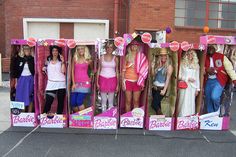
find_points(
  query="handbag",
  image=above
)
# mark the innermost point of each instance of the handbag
(182, 85)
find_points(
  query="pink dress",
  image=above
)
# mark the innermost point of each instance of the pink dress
(107, 78)
(82, 80)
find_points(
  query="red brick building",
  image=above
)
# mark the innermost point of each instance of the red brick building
(68, 18)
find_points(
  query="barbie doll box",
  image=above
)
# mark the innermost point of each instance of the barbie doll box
(21, 115)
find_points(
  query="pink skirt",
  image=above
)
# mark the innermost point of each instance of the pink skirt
(107, 84)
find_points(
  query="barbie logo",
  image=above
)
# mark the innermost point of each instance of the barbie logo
(187, 123)
(105, 123)
(54, 120)
(155, 124)
(19, 119)
(131, 122)
(211, 40)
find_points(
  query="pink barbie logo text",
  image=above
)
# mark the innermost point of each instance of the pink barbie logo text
(106, 123)
(154, 124)
(54, 120)
(187, 124)
(131, 122)
(18, 119)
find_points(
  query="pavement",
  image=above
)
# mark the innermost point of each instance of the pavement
(43, 142)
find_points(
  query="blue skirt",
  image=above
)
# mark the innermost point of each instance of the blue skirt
(25, 89)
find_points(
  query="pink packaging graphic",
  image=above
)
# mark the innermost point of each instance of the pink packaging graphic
(57, 121)
(24, 119)
(157, 122)
(187, 123)
(82, 119)
(107, 119)
(133, 119)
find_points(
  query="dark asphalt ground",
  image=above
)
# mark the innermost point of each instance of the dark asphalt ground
(41, 142)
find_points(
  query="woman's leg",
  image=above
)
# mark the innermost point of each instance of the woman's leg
(30, 107)
(104, 101)
(136, 97)
(111, 99)
(60, 98)
(80, 100)
(50, 95)
(128, 98)
(73, 102)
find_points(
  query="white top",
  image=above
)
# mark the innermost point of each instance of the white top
(158, 84)
(211, 65)
(26, 71)
(108, 69)
(56, 79)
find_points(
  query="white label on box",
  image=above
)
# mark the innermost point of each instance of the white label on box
(187, 123)
(131, 122)
(105, 123)
(56, 122)
(156, 123)
(24, 119)
(16, 104)
(212, 123)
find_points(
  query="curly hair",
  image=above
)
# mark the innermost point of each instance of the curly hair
(59, 49)
(187, 63)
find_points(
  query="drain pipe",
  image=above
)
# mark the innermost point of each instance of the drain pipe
(116, 11)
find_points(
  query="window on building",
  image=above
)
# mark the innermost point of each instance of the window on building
(214, 13)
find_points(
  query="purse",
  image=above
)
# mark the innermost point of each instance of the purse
(182, 85)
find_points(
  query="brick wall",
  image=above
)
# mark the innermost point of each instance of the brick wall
(2, 29)
(15, 12)
(158, 14)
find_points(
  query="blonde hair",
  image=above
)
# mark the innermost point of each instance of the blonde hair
(128, 56)
(22, 53)
(157, 62)
(87, 55)
(185, 61)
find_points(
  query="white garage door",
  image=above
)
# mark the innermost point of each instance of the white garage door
(43, 30)
(89, 31)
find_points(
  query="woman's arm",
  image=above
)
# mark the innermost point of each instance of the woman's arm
(198, 78)
(63, 67)
(73, 73)
(98, 72)
(123, 74)
(168, 77)
(117, 73)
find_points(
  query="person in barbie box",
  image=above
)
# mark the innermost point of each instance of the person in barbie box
(23, 72)
(81, 82)
(218, 70)
(56, 83)
(227, 94)
(161, 71)
(189, 73)
(134, 73)
(108, 76)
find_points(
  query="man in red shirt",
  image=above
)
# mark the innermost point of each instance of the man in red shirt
(218, 71)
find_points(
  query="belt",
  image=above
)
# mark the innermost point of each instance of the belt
(157, 88)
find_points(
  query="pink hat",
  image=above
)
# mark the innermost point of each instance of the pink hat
(134, 42)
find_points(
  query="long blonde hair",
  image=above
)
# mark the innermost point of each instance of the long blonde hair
(185, 61)
(22, 53)
(157, 62)
(87, 55)
(128, 56)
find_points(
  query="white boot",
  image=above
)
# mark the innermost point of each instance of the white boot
(104, 107)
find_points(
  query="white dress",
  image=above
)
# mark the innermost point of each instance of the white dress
(186, 105)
